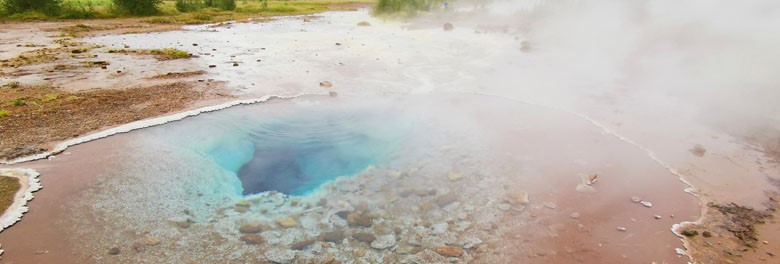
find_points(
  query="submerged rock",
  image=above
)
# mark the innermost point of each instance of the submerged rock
(364, 24)
(450, 251)
(384, 242)
(249, 228)
(287, 222)
(454, 176)
(335, 236)
(326, 84)
(252, 239)
(280, 255)
(300, 245)
(448, 27)
(151, 240)
(446, 199)
(359, 218)
(364, 237)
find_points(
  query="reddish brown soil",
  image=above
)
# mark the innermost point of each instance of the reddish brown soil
(40, 116)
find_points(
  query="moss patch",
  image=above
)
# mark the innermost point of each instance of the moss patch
(8, 188)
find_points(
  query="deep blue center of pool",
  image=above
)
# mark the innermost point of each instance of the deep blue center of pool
(296, 154)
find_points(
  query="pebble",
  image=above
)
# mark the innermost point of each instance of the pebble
(636, 199)
(326, 84)
(252, 239)
(574, 215)
(151, 240)
(364, 24)
(621, 229)
(448, 27)
(504, 206)
(249, 228)
(280, 255)
(470, 242)
(550, 205)
(454, 176)
(446, 199)
(522, 198)
(335, 236)
(300, 245)
(364, 237)
(114, 251)
(646, 204)
(450, 251)
(383, 242)
(440, 228)
(287, 222)
(358, 218)
(657, 217)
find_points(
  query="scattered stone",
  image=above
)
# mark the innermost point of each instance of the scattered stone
(440, 228)
(338, 44)
(364, 24)
(592, 179)
(181, 222)
(249, 228)
(550, 205)
(252, 239)
(690, 233)
(235, 64)
(364, 237)
(333, 94)
(454, 176)
(471, 242)
(657, 217)
(212, 66)
(326, 84)
(646, 204)
(574, 215)
(287, 222)
(448, 27)
(240, 209)
(621, 229)
(521, 198)
(446, 199)
(301, 245)
(636, 199)
(359, 218)
(504, 206)
(114, 251)
(194, 44)
(150, 240)
(280, 255)
(706, 234)
(335, 236)
(450, 251)
(137, 247)
(383, 242)
(698, 150)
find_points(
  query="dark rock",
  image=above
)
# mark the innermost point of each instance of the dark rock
(364, 237)
(114, 251)
(446, 199)
(212, 66)
(706, 234)
(690, 233)
(448, 27)
(300, 245)
(335, 236)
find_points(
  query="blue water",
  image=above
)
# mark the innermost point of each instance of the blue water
(297, 152)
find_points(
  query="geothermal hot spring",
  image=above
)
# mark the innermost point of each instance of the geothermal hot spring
(513, 139)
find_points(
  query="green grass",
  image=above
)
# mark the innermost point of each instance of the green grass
(8, 188)
(170, 54)
(4, 113)
(105, 9)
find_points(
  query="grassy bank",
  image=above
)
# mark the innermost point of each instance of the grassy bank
(8, 188)
(167, 14)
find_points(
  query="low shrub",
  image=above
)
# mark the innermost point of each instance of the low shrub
(189, 5)
(138, 7)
